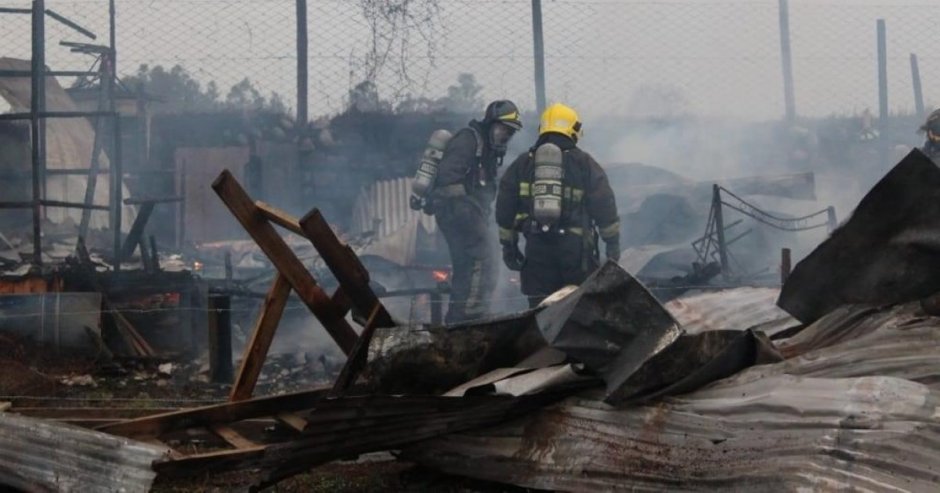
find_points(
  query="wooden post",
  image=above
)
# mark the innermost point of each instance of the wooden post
(284, 260)
(220, 339)
(785, 265)
(437, 309)
(918, 90)
(256, 350)
(786, 60)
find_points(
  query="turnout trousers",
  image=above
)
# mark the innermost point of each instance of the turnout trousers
(464, 222)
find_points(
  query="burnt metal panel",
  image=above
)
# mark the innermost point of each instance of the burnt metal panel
(611, 323)
(888, 252)
(41, 455)
(854, 407)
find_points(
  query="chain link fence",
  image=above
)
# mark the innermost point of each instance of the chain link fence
(630, 58)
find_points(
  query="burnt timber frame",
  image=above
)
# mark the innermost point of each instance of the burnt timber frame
(354, 291)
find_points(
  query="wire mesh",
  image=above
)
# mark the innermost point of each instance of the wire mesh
(628, 58)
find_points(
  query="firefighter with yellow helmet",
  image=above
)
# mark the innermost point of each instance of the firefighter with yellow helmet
(558, 197)
(932, 129)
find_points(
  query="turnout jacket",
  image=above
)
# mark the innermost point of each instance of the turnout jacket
(587, 199)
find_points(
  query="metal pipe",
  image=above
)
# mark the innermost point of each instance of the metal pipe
(52, 203)
(112, 36)
(68, 22)
(53, 114)
(48, 73)
(786, 60)
(720, 230)
(538, 46)
(302, 60)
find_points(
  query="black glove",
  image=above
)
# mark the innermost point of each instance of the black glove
(513, 257)
(416, 203)
(613, 249)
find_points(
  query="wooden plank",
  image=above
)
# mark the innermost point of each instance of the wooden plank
(292, 421)
(156, 425)
(357, 359)
(279, 217)
(256, 351)
(233, 437)
(211, 461)
(242, 207)
(342, 302)
(349, 271)
(136, 233)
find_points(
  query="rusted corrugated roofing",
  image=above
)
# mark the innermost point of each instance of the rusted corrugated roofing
(731, 309)
(856, 406)
(41, 455)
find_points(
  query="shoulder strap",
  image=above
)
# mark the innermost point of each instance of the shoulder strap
(476, 134)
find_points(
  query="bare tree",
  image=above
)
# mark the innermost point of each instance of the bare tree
(401, 31)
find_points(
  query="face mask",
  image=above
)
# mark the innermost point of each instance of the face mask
(500, 135)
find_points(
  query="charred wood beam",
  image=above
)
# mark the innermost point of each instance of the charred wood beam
(301, 281)
(156, 425)
(152, 200)
(134, 237)
(279, 217)
(349, 271)
(257, 349)
(357, 359)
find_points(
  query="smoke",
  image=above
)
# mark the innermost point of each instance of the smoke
(684, 150)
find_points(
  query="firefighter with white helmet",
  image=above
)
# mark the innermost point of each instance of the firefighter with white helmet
(558, 197)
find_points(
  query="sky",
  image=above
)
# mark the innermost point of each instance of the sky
(644, 58)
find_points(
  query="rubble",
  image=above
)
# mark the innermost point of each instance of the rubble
(601, 387)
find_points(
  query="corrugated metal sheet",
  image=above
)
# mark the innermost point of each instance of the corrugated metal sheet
(731, 309)
(388, 202)
(857, 408)
(40, 455)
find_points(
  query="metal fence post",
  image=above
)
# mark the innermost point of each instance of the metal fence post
(787, 61)
(882, 76)
(302, 77)
(538, 45)
(720, 230)
(38, 81)
(918, 90)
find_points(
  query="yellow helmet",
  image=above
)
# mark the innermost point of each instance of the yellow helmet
(561, 119)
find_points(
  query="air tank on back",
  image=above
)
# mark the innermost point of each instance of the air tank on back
(546, 187)
(427, 170)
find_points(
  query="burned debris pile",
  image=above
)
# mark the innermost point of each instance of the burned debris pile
(600, 387)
